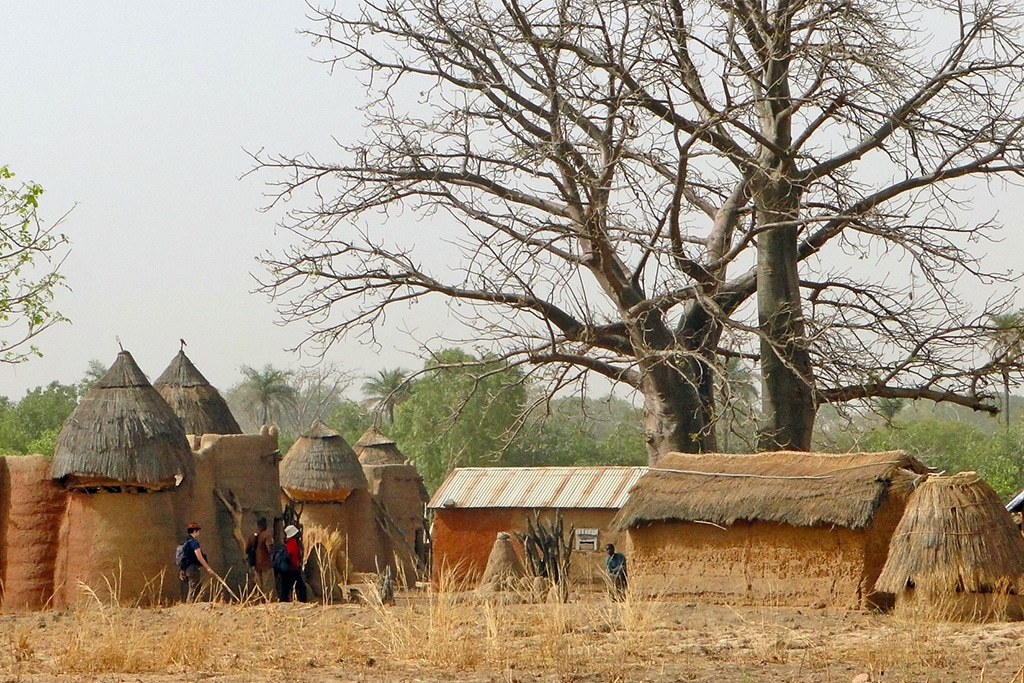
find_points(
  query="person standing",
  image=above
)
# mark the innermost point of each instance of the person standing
(616, 566)
(292, 576)
(193, 561)
(260, 547)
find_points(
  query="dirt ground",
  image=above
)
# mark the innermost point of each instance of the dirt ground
(462, 637)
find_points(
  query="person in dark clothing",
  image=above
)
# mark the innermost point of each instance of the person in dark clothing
(292, 577)
(261, 546)
(190, 576)
(616, 565)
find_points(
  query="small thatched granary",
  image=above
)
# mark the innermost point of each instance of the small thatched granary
(121, 454)
(956, 553)
(321, 467)
(197, 404)
(397, 488)
(373, 448)
(784, 528)
(322, 472)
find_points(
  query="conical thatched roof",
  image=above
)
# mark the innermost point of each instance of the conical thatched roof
(321, 466)
(801, 489)
(197, 404)
(374, 448)
(122, 434)
(955, 537)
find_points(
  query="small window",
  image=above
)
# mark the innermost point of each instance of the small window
(586, 539)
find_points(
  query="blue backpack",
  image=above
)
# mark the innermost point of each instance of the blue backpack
(281, 560)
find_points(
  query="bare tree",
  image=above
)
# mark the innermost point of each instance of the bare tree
(646, 189)
(319, 391)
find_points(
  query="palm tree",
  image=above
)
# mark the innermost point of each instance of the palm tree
(385, 390)
(268, 391)
(1007, 334)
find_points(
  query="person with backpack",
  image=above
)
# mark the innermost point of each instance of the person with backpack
(190, 559)
(258, 553)
(289, 563)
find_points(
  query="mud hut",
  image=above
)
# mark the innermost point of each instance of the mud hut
(120, 455)
(397, 488)
(779, 528)
(323, 474)
(473, 504)
(956, 553)
(197, 404)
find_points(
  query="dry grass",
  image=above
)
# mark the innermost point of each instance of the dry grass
(452, 634)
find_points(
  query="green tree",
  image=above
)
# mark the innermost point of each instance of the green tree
(93, 373)
(350, 419)
(30, 258)
(462, 411)
(31, 425)
(385, 390)
(580, 432)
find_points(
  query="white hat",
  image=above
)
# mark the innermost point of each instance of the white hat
(291, 530)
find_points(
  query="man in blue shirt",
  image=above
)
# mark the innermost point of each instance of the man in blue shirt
(616, 565)
(189, 575)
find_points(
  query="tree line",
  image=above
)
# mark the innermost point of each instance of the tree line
(464, 409)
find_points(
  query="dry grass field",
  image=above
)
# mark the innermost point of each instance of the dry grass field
(459, 636)
(453, 635)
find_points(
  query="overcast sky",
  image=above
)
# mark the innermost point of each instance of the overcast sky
(136, 117)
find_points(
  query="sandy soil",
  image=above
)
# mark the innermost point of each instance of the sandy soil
(464, 638)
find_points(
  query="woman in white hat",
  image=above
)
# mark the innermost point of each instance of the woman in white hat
(292, 576)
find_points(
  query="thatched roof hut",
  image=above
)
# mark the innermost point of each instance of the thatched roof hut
(197, 404)
(122, 434)
(955, 537)
(321, 466)
(373, 448)
(799, 489)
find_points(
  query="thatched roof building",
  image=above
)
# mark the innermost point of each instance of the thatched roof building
(799, 489)
(776, 528)
(197, 404)
(955, 537)
(122, 434)
(321, 466)
(373, 448)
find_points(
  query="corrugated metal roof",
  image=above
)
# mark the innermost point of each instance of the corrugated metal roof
(537, 487)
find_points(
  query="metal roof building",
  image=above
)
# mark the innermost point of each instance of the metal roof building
(537, 487)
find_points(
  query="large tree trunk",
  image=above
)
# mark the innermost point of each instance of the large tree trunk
(675, 412)
(787, 379)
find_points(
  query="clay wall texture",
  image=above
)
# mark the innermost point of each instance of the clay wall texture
(121, 545)
(399, 488)
(366, 544)
(31, 508)
(462, 539)
(763, 562)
